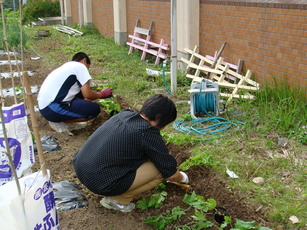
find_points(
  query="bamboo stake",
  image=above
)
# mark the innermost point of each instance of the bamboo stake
(21, 79)
(8, 53)
(2, 95)
(28, 98)
(20, 25)
(34, 122)
(8, 152)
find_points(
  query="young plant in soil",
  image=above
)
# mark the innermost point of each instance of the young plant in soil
(201, 208)
(111, 107)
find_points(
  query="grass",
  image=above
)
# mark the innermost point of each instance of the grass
(277, 112)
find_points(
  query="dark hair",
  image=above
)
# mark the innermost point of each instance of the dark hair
(79, 56)
(159, 108)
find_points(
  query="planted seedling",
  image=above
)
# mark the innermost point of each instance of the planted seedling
(111, 107)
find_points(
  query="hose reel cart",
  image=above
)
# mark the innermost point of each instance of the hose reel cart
(204, 98)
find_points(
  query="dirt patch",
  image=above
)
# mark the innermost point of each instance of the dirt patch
(203, 180)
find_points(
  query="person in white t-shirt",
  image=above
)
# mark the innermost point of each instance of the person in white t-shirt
(66, 96)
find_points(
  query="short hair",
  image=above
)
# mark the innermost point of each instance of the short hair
(159, 108)
(79, 56)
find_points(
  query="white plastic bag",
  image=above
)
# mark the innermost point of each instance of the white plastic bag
(34, 209)
(19, 140)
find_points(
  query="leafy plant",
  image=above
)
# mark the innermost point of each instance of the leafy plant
(199, 222)
(178, 139)
(111, 107)
(155, 200)
(161, 221)
(198, 202)
(243, 225)
(201, 158)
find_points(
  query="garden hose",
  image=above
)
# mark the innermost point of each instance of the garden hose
(210, 126)
(204, 102)
(200, 127)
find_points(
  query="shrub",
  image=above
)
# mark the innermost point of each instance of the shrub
(40, 8)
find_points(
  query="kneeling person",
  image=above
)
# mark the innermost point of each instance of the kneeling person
(66, 96)
(127, 156)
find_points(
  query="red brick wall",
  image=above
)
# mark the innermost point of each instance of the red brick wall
(150, 11)
(103, 17)
(270, 38)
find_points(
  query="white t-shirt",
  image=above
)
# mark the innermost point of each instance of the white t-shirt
(63, 83)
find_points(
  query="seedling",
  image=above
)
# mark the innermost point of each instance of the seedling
(111, 107)
(155, 199)
(204, 159)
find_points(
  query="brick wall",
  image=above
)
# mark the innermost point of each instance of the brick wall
(150, 11)
(103, 17)
(271, 38)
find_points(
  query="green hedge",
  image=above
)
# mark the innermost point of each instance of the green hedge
(35, 9)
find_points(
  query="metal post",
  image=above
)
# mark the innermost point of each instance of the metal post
(80, 12)
(62, 11)
(173, 46)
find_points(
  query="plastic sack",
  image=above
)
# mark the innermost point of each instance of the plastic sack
(49, 143)
(66, 196)
(19, 140)
(34, 209)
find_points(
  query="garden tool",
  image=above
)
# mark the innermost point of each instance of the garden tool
(186, 186)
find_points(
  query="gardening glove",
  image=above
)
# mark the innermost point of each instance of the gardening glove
(106, 92)
(185, 179)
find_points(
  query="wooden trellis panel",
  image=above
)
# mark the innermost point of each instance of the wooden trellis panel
(141, 40)
(223, 73)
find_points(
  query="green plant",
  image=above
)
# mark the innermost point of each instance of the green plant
(110, 105)
(161, 221)
(155, 200)
(86, 29)
(201, 208)
(178, 139)
(279, 107)
(35, 9)
(200, 158)
(243, 225)
(198, 202)
(12, 28)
